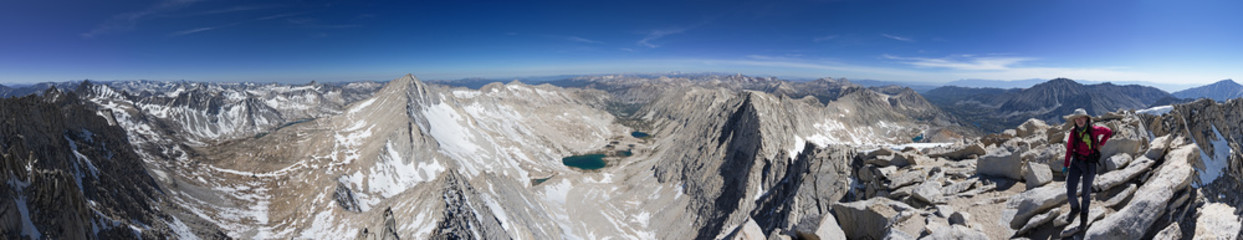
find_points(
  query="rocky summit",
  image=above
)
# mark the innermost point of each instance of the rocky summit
(683, 157)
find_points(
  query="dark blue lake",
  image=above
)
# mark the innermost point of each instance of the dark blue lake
(638, 134)
(585, 162)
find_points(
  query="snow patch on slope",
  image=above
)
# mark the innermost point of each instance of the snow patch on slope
(454, 136)
(1217, 162)
(394, 174)
(28, 226)
(362, 105)
(1156, 111)
(183, 232)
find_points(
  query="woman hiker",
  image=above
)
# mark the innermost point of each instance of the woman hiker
(1083, 146)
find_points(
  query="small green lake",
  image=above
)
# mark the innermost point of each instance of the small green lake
(638, 134)
(585, 162)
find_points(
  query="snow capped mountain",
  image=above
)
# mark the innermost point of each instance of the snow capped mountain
(206, 112)
(1220, 91)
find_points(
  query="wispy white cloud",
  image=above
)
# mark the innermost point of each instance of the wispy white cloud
(963, 62)
(899, 38)
(582, 40)
(277, 16)
(658, 34)
(127, 21)
(824, 38)
(191, 31)
(203, 29)
(232, 10)
(572, 39)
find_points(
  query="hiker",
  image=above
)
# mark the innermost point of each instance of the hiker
(1083, 145)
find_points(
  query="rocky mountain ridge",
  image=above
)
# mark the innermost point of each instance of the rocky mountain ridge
(72, 174)
(1220, 91)
(994, 110)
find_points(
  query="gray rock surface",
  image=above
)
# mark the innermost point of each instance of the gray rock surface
(894, 234)
(1020, 208)
(960, 152)
(1217, 221)
(1037, 175)
(1115, 162)
(1150, 199)
(1171, 232)
(750, 231)
(954, 232)
(906, 178)
(1121, 196)
(869, 218)
(1032, 127)
(1039, 220)
(1158, 147)
(1000, 162)
(1129, 138)
(959, 187)
(829, 229)
(1113, 179)
(929, 192)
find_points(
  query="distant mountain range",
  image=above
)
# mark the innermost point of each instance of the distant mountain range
(918, 87)
(1220, 91)
(995, 109)
(38, 88)
(981, 83)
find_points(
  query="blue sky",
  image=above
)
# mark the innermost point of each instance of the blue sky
(914, 41)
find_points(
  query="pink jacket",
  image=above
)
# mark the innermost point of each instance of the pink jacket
(1075, 145)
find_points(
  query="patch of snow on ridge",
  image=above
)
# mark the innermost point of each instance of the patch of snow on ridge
(920, 146)
(1216, 163)
(182, 231)
(362, 105)
(799, 143)
(464, 94)
(392, 175)
(824, 136)
(558, 192)
(450, 131)
(28, 226)
(1156, 111)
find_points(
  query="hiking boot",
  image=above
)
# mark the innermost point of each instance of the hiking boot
(1073, 211)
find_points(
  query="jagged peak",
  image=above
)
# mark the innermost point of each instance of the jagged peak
(403, 84)
(406, 80)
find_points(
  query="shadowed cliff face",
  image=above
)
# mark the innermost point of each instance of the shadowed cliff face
(740, 139)
(71, 175)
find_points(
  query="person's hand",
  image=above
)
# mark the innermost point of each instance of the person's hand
(1063, 170)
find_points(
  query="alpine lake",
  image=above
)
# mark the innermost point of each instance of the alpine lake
(618, 148)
